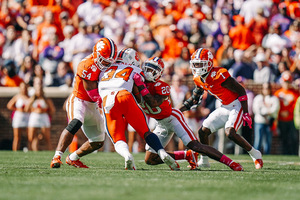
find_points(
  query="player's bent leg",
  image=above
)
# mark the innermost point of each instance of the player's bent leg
(203, 135)
(213, 153)
(86, 148)
(65, 140)
(153, 141)
(122, 148)
(254, 154)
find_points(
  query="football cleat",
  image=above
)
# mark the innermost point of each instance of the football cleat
(129, 164)
(56, 162)
(75, 163)
(258, 163)
(192, 158)
(257, 159)
(203, 162)
(166, 158)
(236, 166)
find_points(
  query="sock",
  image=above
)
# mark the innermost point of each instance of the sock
(179, 155)
(121, 148)
(153, 141)
(255, 154)
(224, 159)
(58, 153)
(74, 156)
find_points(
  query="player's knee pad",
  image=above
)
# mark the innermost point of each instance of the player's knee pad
(74, 126)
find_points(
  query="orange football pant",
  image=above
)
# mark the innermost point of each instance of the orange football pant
(124, 109)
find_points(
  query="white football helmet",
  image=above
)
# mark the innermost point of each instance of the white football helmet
(153, 69)
(129, 56)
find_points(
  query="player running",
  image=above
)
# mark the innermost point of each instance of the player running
(119, 105)
(81, 107)
(234, 110)
(156, 104)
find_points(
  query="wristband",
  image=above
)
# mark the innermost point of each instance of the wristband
(93, 94)
(243, 98)
(144, 92)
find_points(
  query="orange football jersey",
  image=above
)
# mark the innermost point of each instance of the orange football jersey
(87, 70)
(213, 82)
(165, 109)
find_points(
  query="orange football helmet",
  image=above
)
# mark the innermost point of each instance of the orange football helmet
(153, 69)
(201, 62)
(104, 53)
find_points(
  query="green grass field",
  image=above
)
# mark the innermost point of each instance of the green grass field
(28, 176)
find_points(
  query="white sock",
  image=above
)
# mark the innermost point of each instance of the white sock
(121, 148)
(255, 154)
(204, 157)
(58, 153)
(74, 156)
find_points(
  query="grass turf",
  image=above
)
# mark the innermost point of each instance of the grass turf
(28, 176)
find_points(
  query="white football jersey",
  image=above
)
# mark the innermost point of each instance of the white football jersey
(117, 77)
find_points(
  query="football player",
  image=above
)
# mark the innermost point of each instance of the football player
(156, 103)
(82, 108)
(233, 111)
(115, 88)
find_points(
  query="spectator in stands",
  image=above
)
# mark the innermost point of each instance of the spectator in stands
(41, 109)
(113, 24)
(225, 54)
(149, 47)
(265, 109)
(89, 12)
(182, 64)
(286, 127)
(173, 44)
(45, 30)
(215, 40)
(81, 43)
(282, 67)
(19, 116)
(263, 73)
(63, 76)
(249, 9)
(51, 55)
(10, 41)
(23, 47)
(241, 68)
(274, 40)
(10, 77)
(27, 69)
(66, 44)
(208, 25)
(258, 25)
(281, 18)
(23, 18)
(178, 90)
(240, 34)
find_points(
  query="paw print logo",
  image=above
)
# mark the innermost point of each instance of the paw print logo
(213, 74)
(94, 68)
(100, 45)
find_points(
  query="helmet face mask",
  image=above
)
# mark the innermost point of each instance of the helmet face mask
(105, 53)
(153, 69)
(201, 62)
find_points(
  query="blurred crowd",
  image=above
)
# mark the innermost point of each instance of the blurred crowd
(256, 40)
